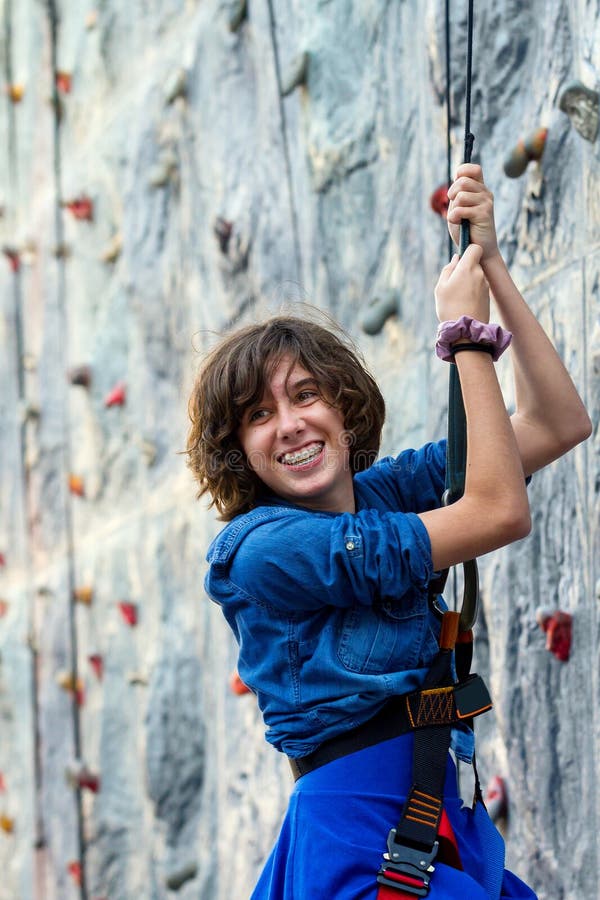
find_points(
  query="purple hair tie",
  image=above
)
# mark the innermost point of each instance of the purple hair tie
(477, 332)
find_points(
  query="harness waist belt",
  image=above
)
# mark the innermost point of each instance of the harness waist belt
(406, 712)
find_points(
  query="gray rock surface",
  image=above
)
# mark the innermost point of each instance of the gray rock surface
(327, 191)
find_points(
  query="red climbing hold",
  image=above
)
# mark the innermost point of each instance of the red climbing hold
(237, 686)
(89, 781)
(97, 664)
(129, 612)
(557, 626)
(79, 776)
(2, 559)
(13, 257)
(81, 208)
(63, 82)
(439, 201)
(80, 376)
(116, 397)
(2, 783)
(74, 870)
(495, 799)
(3, 608)
(76, 485)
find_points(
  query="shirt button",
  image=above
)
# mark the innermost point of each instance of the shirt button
(350, 545)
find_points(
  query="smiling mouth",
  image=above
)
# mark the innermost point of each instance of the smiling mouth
(303, 456)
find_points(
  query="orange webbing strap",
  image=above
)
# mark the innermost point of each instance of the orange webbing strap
(449, 632)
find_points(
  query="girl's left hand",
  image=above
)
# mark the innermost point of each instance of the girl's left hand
(462, 289)
(470, 199)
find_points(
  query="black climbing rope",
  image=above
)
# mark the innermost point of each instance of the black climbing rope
(465, 239)
(457, 427)
(448, 119)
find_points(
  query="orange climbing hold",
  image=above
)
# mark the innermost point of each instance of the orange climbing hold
(76, 485)
(535, 143)
(129, 612)
(557, 626)
(68, 682)
(117, 396)
(74, 870)
(439, 201)
(237, 686)
(63, 82)
(97, 664)
(16, 92)
(3, 608)
(530, 148)
(7, 824)
(13, 257)
(84, 595)
(81, 208)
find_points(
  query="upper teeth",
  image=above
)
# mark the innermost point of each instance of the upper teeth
(302, 455)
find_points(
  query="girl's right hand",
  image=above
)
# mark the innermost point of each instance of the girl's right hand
(462, 289)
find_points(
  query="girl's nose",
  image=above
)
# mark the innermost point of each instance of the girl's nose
(289, 422)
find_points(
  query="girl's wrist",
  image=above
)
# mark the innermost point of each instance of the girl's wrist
(471, 330)
(493, 256)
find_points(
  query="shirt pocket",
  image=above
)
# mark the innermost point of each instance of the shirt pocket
(376, 642)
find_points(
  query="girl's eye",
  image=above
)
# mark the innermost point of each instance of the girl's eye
(257, 414)
(307, 395)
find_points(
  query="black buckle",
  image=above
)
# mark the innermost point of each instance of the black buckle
(406, 868)
(471, 697)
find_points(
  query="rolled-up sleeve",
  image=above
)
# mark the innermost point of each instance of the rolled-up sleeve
(413, 481)
(303, 562)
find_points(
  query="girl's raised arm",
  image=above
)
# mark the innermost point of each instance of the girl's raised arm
(550, 418)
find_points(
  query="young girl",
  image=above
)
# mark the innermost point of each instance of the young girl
(325, 570)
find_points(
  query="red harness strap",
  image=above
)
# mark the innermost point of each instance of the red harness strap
(448, 853)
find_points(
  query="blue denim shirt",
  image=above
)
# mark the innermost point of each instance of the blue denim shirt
(331, 610)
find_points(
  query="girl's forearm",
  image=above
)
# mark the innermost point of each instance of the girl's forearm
(546, 397)
(494, 509)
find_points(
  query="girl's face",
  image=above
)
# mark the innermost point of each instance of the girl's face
(296, 442)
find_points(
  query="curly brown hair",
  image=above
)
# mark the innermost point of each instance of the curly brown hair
(233, 377)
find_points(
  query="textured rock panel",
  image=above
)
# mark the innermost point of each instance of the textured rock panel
(326, 196)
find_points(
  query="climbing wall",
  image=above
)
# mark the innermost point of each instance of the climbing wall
(175, 167)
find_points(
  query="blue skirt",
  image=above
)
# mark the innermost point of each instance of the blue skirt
(335, 831)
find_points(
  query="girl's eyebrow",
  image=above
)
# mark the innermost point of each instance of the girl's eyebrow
(302, 382)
